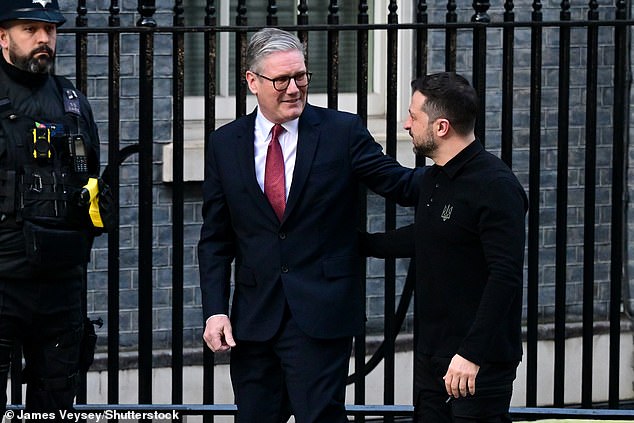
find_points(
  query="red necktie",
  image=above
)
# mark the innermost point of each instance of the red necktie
(274, 177)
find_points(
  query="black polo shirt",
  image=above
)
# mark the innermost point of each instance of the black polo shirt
(469, 243)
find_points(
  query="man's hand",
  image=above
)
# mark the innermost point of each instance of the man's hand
(218, 335)
(461, 377)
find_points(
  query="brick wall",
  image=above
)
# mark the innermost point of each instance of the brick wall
(97, 92)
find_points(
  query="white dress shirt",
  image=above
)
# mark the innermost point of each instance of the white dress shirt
(288, 142)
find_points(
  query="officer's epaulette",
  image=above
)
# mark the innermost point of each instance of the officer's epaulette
(69, 95)
(6, 109)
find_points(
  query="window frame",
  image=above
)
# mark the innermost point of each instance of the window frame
(194, 110)
(225, 103)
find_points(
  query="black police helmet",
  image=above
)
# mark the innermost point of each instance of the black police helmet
(31, 10)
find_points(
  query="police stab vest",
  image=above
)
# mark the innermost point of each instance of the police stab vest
(44, 167)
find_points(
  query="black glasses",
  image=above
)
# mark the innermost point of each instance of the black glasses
(281, 83)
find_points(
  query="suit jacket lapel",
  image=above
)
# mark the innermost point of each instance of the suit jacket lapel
(246, 159)
(307, 141)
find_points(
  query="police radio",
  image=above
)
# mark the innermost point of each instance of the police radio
(77, 151)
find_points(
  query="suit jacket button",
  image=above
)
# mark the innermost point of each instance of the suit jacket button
(282, 235)
(284, 269)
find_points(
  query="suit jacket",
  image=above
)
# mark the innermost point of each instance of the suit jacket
(310, 259)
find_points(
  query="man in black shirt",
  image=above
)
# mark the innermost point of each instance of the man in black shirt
(468, 240)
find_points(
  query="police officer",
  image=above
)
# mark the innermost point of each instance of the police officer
(49, 147)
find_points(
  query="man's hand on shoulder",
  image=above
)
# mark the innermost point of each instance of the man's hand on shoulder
(218, 333)
(460, 379)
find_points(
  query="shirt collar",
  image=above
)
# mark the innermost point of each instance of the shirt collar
(265, 125)
(453, 166)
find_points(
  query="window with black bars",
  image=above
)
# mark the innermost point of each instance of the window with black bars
(287, 15)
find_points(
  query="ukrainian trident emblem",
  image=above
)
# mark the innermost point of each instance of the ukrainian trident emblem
(446, 212)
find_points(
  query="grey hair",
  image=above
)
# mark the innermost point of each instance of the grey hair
(267, 41)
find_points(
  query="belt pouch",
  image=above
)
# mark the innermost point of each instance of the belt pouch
(54, 247)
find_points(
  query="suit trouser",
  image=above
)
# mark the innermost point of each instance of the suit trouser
(292, 374)
(45, 318)
(490, 404)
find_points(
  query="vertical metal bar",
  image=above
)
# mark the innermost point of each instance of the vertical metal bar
(333, 55)
(619, 207)
(479, 63)
(390, 207)
(210, 118)
(210, 67)
(561, 243)
(302, 19)
(362, 110)
(178, 199)
(451, 36)
(533, 211)
(508, 55)
(81, 42)
(240, 54)
(146, 9)
(590, 189)
(208, 381)
(421, 39)
(81, 72)
(114, 74)
(422, 50)
(362, 61)
(80, 398)
(271, 17)
(16, 377)
(81, 47)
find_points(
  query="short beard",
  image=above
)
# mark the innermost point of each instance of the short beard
(427, 147)
(425, 150)
(32, 64)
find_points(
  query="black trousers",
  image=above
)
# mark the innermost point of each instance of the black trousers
(45, 317)
(490, 404)
(292, 374)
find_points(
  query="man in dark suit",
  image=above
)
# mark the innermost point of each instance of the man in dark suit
(280, 198)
